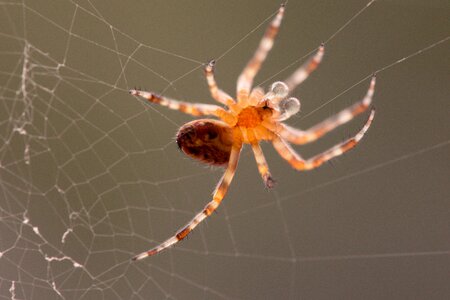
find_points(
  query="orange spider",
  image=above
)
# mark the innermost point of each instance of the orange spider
(255, 116)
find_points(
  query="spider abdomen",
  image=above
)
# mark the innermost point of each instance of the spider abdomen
(209, 141)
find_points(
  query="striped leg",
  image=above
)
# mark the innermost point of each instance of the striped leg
(245, 80)
(216, 93)
(297, 136)
(297, 162)
(307, 68)
(195, 109)
(255, 96)
(263, 168)
(219, 194)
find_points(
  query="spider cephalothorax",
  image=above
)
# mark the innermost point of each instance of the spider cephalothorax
(252, 117)
(210, 141)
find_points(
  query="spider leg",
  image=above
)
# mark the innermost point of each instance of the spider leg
(218, 94)
(195, 109)
(300, 137)
(218, 195)
(263, 167)
(305, 70)
(245, 80)
(255, 96)
(297, 162)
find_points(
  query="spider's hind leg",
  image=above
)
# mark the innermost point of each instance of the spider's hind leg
(194, 109)
(218, 196)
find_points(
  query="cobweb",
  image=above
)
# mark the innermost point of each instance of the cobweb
(90, 176)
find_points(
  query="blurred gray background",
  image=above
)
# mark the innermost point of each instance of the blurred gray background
(90, 176)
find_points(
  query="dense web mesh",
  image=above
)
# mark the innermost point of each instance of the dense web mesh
(90, 176)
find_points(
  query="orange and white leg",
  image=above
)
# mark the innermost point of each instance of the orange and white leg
(218, 94)
(297, 162)
(297, 136)
(255, 96)
(305, 70)
(263, 167)
(245, 80)
(218, 195)
(195, 109)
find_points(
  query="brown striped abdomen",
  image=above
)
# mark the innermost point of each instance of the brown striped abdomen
(206, 140)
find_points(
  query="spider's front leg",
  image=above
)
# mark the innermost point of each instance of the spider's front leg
(297, 162)
(300, 137)
(263, 167)
(245, 80)
(218, 196)
(302, 73)
(218, 94)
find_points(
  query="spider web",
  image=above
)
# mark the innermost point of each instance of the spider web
(90, 176)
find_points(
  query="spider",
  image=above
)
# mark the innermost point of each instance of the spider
(253, 117)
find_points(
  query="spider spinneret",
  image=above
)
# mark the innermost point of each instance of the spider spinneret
(253, 117)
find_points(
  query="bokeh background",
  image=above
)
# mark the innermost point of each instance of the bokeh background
(90, 176)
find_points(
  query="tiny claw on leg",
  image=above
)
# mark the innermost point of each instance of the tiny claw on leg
(269, 182)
